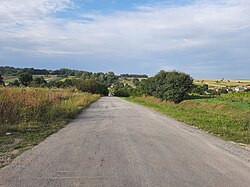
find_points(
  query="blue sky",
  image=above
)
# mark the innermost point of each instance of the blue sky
(205, 38)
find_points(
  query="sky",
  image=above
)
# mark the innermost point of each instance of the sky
(204, 38)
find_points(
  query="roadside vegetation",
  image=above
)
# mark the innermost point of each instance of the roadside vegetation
(227, 115)
(212, 105)
(222, 112)
(29, 115)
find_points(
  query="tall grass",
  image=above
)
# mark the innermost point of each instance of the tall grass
(29, 115)
(22, 105)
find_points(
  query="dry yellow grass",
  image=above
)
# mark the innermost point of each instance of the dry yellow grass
(21, 105)
(29, 115)
(219, 83)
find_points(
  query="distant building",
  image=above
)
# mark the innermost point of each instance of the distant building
(247, 88)
(239, 89)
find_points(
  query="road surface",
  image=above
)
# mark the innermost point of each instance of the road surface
(115, 143)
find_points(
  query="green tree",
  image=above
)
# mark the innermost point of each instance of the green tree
(68, 83)
(136, 81)
(205, 87)
(111, 78)
(197, 89)
(91, 86)
(172, 85)
(124, 91)
(168, 85)
(39, 81)
(148, 87)
(25, 78)
(15, 83)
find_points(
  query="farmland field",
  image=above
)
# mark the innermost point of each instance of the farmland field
(218, 83)
(9, 79)
(29, 115)
(227, 116)
(48, 78)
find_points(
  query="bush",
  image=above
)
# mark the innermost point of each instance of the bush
(122, 92)
(201, 90)
(25, 79)
(15, 83)
(91, 86)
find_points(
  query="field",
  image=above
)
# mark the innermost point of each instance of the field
(227, 116)
(220, 83)
(29, 115)
(48, 78)
(9, 79)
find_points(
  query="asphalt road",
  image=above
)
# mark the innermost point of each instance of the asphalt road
(115, 143)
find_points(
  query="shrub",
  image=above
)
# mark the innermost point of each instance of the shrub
(122, 92)
(25, 79)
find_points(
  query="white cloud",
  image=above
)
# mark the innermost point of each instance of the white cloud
(14, 12)
(204, 31)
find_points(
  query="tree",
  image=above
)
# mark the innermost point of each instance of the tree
(172, 85)
(1, 80)
(39, 81)
(25, 78)
(136, 81)
(15, 83)
(68, 83)
(197, 89)
(121, 92)
(205, 87)
(168, 85)
(91, 86)
(110, 78)
(201, 90)
(124, 91)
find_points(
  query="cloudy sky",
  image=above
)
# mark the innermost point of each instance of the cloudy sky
(205, 38)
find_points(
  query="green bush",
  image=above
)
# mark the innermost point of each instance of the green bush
(122, 92)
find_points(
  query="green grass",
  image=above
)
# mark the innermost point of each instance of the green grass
(221, 116)
(10, 80)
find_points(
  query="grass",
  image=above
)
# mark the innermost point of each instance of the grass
(227, 116)
(48, 78)
(29, 115)
(9, 80)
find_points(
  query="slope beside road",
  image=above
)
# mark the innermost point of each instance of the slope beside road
(117, 143)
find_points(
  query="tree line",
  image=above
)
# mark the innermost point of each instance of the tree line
(166, 85)
(95, 83)
(134, 76)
